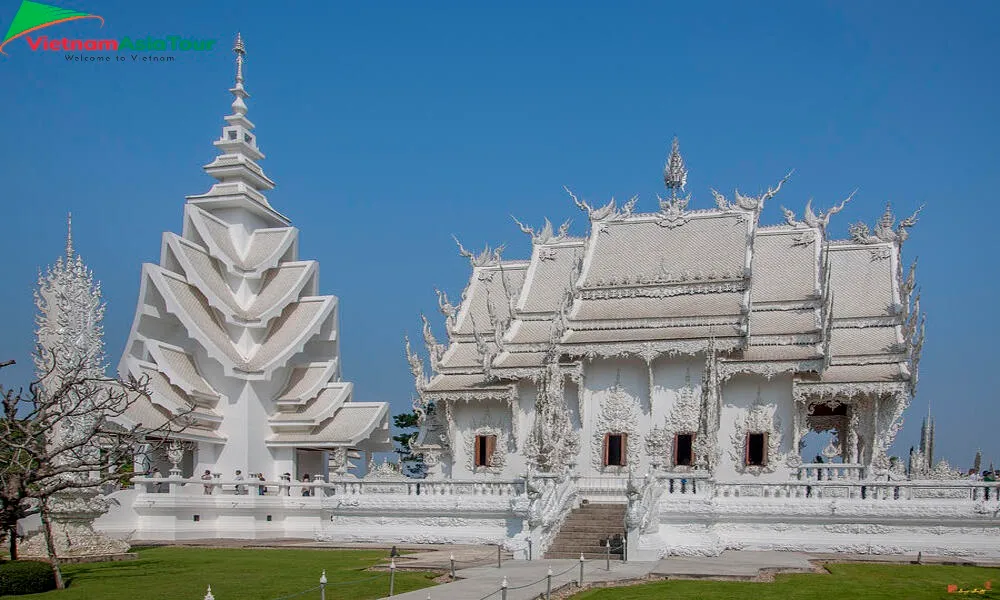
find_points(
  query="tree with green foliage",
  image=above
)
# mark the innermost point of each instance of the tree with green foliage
(412, 463)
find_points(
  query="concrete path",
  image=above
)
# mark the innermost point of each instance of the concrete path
(526, 579)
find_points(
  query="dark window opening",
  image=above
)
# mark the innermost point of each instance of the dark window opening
(485, 446)
(684, 449)
(248, 138)
(756, 449)
(197, 518)
(614, 449)
(232, 135)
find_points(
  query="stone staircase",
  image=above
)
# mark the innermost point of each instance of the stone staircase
(585, 530)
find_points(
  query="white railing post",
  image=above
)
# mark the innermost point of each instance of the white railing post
(208, 594)
(322, 586)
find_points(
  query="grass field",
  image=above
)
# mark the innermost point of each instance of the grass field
(845, 581)
(235, 574)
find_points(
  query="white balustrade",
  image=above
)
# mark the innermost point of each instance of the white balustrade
(831, 472)
(320, 489)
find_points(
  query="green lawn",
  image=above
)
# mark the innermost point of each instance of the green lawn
(847, 581)
(235, 574)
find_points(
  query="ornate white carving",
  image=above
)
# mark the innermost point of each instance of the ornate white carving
(486, 426)
(684, 416)
(619, 413)
(759, 418)
(553, 442)
(748, 203)
(608, 212)
(486, 258)
(886, 230)
(545, 235)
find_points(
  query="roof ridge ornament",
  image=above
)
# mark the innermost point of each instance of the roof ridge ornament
(811, 219)
(608, 212)
(749, 203)
(545, 235)
(886, 229)
(674, 172)
(488, 256)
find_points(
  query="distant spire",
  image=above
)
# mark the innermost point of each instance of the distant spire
(240, 51)
(239, 106)
(69, 236)
(674, 172)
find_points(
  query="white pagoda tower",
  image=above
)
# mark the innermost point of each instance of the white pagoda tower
(235, 337)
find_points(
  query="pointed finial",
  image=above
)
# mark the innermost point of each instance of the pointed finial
(674, 171)
(208, 595)
(240, 51)
(69, 236)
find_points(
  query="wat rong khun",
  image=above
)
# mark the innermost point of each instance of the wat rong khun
(666, 368)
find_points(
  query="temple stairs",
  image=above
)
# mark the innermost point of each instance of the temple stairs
(586, 530)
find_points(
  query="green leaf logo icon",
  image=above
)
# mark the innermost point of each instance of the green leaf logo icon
(32, 16)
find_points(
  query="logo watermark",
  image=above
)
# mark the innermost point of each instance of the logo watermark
(34, 16)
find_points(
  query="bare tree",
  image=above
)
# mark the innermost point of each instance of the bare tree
(68, 437)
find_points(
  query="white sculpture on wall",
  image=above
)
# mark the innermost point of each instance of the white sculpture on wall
(553, 442)
(498, 458)
(759, 418)
(619, 413)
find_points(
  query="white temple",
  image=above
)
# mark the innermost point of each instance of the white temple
(235, 337)
(695, 340)
(655, 379)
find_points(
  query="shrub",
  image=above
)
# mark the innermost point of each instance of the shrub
(26, 577)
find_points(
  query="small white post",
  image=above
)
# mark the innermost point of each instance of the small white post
(580, 582)
(322, 586)
(392, 576)
(208, 594)
(548, 584)
(498, 556)
(452, 565)
(503, 588)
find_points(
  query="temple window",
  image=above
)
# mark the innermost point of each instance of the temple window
(756, 450)
(248, 138)
(615, 445)
(485, 446)
(684, 449)
(232, 135)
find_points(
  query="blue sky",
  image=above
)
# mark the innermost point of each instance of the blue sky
(390, 126)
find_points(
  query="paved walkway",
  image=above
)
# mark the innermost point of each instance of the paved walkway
(526, 579)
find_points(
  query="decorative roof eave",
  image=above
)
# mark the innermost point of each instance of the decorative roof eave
(237, 194)
(319, 382)
(653, 323)
(869, 359)
(314, 439)
(804, 391)
(231, 309)
(156, 350)
(767, 369)
(506, 394)
(217, 236)
(290, 420)
(649, 351)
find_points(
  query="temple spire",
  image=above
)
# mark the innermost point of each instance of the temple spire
(69, 236)
(240, 51)
(674, 171)
(236, 169)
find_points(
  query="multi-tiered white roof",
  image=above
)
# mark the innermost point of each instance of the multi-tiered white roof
(769, 299)
(231, 328)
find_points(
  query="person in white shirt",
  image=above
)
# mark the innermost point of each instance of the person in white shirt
(240, 490)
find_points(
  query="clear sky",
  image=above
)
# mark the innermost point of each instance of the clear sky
(390, 126)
